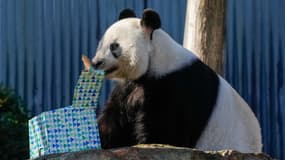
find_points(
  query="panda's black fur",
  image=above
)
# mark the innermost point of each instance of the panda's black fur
(173, 109)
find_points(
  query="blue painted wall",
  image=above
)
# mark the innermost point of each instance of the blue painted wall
(41, 42)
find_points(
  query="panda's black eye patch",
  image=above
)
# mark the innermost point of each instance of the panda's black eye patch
(114, 46)
(115, 49)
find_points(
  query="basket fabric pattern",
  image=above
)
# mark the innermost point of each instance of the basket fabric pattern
(88, 88)
(71, 128)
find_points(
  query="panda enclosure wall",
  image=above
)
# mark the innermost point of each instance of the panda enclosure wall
(41, 43)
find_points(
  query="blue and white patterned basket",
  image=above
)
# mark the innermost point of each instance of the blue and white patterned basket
(72, 128)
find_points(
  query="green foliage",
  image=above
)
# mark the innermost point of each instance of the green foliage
(14, 138)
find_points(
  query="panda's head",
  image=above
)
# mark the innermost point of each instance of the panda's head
(125, 49)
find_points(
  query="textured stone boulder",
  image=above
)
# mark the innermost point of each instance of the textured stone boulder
(156, 152)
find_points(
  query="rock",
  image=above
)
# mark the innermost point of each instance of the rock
(156, 152)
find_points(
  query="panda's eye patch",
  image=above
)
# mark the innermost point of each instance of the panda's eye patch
(114, 46)
(115, 49)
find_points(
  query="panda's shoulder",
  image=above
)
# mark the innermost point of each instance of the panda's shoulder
(196, 80)
(195, 72)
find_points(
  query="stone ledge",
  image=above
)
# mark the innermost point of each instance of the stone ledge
(156, 152)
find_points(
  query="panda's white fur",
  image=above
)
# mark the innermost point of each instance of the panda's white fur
(232, 124)
(173, 56)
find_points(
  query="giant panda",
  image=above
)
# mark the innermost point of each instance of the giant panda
(164, 94)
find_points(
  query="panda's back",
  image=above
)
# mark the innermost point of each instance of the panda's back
(176, 107)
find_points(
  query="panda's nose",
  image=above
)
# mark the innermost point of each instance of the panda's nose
(98, 64)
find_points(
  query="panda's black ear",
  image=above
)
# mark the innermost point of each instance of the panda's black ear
(126, 13)
(150, 19)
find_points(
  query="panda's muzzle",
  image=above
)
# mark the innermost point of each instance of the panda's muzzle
(101, 65)
(98, 64)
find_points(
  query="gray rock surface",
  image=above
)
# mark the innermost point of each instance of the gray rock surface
(156, 152)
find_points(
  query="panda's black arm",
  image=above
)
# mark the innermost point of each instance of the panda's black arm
(115, 126)
(114, 130)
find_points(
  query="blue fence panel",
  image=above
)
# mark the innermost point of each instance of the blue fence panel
(41, 43)
(255, 64)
